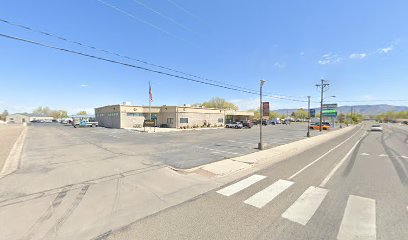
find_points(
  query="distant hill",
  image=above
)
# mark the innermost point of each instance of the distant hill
(361, 109)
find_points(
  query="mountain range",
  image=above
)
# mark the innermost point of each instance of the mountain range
(365, 110)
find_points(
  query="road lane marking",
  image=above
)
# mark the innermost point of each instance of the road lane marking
(383, 155)
(233, 141)
(263, 197)
(217, 150)
(241, 185)
(364, 154)
(334, 170)
(404, 157)
(306, 205)
(359, 220)
(316, 160)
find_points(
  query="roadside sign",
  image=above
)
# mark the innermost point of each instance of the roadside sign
(265, 109)
(329, 113)
(329, 106)
(149, 123)
(312, 113)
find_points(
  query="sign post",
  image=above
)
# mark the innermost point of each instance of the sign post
(261, 108)
(308, 119)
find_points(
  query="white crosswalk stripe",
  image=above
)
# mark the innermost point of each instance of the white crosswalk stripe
(359, 220)
(306, 205)
(263, 197)
(241, 185)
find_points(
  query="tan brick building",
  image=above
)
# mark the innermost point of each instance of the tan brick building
(125, 116)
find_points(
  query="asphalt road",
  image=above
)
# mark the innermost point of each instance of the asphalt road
(80, 183)
(184, 149)
(357, 190)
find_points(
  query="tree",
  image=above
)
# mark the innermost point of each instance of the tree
(4, 115)
(82, 113)
(301, 114)
(56, 114)
(274, 115)
(217, 102)
(44, 111)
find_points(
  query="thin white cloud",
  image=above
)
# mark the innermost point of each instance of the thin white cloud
(83, 85)
(302, 53)
(329, 58)
(386, 49)
(279, 65)
(389, 48)
(358, 55)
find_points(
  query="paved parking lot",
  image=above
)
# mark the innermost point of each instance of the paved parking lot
(184, 149)
(64, 172)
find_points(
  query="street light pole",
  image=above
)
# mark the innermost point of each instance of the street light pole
(260, 145)
(322, 86)
(308, 116)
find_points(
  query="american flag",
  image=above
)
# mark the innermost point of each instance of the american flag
(150, 93)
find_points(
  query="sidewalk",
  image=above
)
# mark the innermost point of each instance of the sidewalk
(8, 136)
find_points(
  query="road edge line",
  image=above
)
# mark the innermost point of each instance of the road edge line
(12, 162)
(338, 165)
(322, 156)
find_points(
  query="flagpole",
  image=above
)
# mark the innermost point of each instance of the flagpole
(150, 102)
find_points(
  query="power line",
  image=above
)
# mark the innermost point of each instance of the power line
(114, 53)
(116, 62)
(140, 20)
(271, 95)
(183, 9)
(162, 15)
(129, 65)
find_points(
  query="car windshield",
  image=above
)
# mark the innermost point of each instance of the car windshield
(376, 125)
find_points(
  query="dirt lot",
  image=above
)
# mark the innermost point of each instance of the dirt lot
(8, 136)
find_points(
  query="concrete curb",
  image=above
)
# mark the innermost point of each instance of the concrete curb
(270, 156)
(12, 162)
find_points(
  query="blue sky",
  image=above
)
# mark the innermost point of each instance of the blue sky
(359, 46)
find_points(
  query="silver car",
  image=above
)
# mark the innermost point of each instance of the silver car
(376, 128)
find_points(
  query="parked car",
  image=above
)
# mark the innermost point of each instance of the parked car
(275, 121)
(234, 125)
(247, 124)
(316, 126)
(376, 128)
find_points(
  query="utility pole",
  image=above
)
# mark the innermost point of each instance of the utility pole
(351, 115)
(322, 86)
(308, 116)
(260, 145)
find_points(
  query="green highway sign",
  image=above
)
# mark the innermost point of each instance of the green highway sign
(330, 113)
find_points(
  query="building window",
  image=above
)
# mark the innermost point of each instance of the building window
(220, 120)
(135, 114)
(170, 120)
(183, 120)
